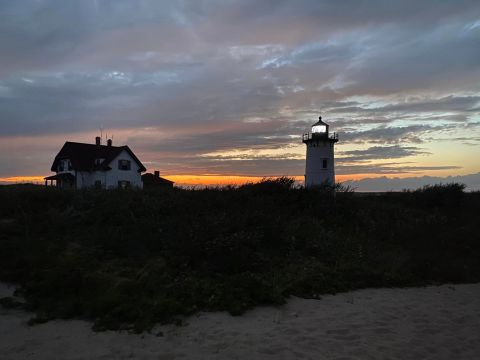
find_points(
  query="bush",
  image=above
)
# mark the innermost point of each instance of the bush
(440, 194)
(130, 259)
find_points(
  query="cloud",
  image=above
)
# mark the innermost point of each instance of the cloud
(421, 63)
(381, 152)
(472, 182)
(215, 76)
(463, 104)
(447, 103)
(389, 135)
(390, 168)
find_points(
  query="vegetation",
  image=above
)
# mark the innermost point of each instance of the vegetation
(130, 259)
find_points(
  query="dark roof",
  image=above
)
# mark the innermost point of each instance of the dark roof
(82, 156)
(150, 178)
(320, 122)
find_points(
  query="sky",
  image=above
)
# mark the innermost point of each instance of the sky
(215, 92)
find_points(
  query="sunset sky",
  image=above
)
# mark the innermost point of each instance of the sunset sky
(207, 91)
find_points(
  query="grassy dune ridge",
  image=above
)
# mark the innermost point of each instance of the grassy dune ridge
(130, 259)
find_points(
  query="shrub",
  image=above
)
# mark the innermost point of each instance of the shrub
(130, 259)
(440, 194)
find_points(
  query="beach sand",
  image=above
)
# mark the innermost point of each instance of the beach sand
(437, 322)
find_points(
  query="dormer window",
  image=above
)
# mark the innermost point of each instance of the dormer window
(98, 162)
(70, 167)
(124, 164)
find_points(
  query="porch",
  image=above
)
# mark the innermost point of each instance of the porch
(63, 181)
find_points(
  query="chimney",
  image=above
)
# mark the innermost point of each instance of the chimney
(97, 140)
(156, 173)
(109, 142)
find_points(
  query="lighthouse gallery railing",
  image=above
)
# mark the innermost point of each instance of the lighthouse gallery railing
(309, 135)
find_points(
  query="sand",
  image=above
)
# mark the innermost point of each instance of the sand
(416, 323)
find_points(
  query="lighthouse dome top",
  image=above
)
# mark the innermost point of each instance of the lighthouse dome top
(319, 132)
(320, 126)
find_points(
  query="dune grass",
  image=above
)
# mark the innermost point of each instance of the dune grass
(131, 259)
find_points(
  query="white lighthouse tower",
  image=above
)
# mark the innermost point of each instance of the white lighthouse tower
(319, 168)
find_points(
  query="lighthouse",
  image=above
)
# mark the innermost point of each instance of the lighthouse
(319, 167)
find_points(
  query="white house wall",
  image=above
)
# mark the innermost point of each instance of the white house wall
(87, 179)
(115, 175)
(110, 178)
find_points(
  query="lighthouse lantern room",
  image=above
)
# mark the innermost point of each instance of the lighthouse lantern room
(319, 168)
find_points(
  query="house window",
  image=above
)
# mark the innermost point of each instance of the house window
(324, 163)
(123, 184)
(124, 165)
(98, 184)
(70, 167)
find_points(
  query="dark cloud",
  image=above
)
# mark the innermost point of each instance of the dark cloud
(448, 103)
(464, 104)
(269, 135)
(390, 168)
(381, 152)
(389, 135)
(424, 62)
(259, 166)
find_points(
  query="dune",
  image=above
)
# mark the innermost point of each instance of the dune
(436, 322)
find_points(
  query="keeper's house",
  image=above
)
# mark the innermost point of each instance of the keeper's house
(79, 166)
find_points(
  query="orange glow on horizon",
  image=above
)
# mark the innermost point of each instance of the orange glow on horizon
(222, 180)
(23, 179)
(208, 179)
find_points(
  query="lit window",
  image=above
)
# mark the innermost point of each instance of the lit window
(124, 184)
(319, 129)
